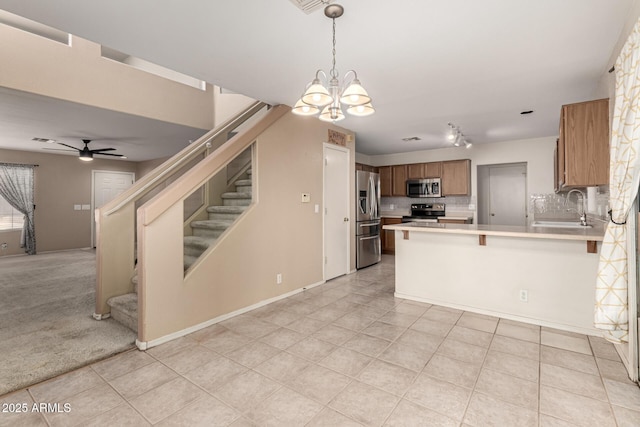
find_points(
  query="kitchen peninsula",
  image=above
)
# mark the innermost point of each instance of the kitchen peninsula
(540, 275)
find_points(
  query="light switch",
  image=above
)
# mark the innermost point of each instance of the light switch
(316, 208)
(77, 207)
(306, 197)
(86, 207)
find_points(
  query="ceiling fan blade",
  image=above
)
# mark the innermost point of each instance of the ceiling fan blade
(70, 146)
(59, 149)
(99, 150)
(107, 154)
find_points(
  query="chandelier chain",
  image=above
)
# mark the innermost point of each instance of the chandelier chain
(333, 72)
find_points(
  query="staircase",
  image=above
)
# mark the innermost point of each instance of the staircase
(124, 308)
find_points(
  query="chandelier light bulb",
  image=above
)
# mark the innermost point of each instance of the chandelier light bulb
(303, 109)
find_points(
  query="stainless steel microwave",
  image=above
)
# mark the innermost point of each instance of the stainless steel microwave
(429, 187)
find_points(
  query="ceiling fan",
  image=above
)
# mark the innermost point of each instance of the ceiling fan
(86, 154)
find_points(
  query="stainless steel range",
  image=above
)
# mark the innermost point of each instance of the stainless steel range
(425, 212)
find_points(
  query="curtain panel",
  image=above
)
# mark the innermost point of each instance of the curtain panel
(17, 188)
(611, 308)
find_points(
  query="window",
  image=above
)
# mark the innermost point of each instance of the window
(10, 218)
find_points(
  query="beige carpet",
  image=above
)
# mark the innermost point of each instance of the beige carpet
(46, 328)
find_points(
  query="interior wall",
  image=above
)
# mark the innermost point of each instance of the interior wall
(227, 105)
(80, 74)
(61, 181)
(280, 234)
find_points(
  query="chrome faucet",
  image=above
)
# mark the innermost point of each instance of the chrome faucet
(583, 214)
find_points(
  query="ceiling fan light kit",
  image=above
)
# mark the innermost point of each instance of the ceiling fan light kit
(326, 98)
(86, 156)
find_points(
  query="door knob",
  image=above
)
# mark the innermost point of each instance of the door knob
(346, 219)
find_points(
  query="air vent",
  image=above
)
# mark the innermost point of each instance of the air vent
(47, 140)
(309, 6)
(411, 138)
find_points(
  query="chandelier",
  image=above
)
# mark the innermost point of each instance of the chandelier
(456, 137)
(326, 96)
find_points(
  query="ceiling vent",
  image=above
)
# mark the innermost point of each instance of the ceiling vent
(50, 141)
(309, 6)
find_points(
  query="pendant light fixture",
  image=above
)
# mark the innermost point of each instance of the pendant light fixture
(325, 94)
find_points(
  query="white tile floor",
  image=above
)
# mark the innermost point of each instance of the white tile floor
(348, 353)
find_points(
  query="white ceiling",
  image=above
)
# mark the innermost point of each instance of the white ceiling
(477, 63)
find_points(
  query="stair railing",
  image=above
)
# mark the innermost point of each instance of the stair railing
(116, 220)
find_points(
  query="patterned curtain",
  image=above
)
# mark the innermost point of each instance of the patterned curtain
(16, 187)
(611, 310)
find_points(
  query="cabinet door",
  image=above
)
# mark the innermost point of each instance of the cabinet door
(583, 149)
(456, 178)
(415, 171)
(399, 180)
(385, 181)
(388, 237)
(432, 170)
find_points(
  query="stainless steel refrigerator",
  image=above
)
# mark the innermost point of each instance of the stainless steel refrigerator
(368, 250)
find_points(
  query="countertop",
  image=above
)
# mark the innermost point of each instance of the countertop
(595, 233)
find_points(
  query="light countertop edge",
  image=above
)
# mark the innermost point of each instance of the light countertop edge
(596, 233)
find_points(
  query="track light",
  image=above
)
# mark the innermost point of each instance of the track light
(456, 137)
(453, 133)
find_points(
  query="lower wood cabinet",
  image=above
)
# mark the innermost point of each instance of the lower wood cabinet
(387, 237)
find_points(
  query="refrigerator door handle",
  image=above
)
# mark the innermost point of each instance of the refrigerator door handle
(372, 197)
(370, 237)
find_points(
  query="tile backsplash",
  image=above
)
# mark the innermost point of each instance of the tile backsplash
(558, 206)
(403, 204)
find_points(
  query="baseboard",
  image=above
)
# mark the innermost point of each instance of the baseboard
(532, 321)
(145, 345)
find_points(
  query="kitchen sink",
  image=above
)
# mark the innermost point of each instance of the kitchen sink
(559, 224)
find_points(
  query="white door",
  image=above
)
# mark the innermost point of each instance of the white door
(508, 194)
(107, 185)
(336, 211)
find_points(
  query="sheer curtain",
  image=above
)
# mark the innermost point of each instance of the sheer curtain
(16, 187)
(612, 310)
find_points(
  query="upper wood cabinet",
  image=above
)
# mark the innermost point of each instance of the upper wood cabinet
(433, 170)
(456, 178)
(366, 168)
(582, 151)
(385, 181)
(415, 171)
(424, 170)
(399, 180)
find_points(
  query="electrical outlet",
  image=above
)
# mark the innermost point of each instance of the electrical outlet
(279, 278)
(4, 246)
(524, 295)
